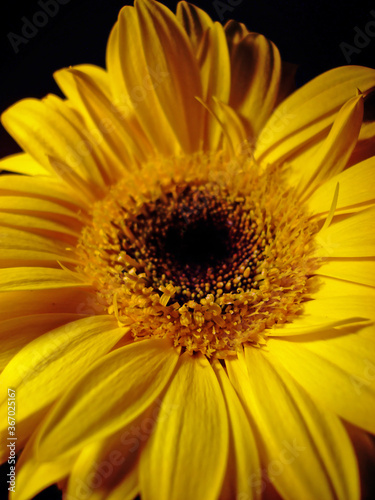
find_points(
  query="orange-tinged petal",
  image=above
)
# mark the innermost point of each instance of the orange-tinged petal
(256, 70)
(195, 21)
(190, 441)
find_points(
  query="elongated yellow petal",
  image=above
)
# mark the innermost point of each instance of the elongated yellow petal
(214, 64)
(43, 363)
(22, 163)
(313, 324)
(131, 377)
(41, 187)
(349, 237)
(108, 468)
(255, 86)
(38, 278)
(17, 332)
(342, 305)
(243, 454)
(117, 140)
(29, 205)
(331, 158)
(300, 120)
(159, 29)
(34, 476)
(357, 270)
(128, 489)
(15, 239)
(191, 435)
(43, 131)
(59, 300)
(357, 188)
(31, 258)
(195, 21)
(135, 91)
(305, 449)
(339, 373)
(39, 225)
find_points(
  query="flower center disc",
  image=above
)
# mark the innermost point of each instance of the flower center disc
(196, 241)
(208, 254)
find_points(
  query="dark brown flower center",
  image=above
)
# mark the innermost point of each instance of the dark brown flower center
(200, 241)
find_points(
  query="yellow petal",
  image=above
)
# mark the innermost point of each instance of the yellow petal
(38, 278)
(215, 64)
(108, 468)
(305, 449)
(339, 372)
(128, 489)
(332, 157)
(41, 187)
(43, 131)
(314, 324)
(59, 300)
(135, 91)
(243, 454)
(166, 47)
(40, 225)
(303, 117)
(131, 377)
(42, 208)
(356, 190)
(351, 237)
(116, 139)
(15, 239)
(22, 163)
(357, 270)
(195, 21)
(190, 441)
(330, 287)
(31, 258)
(256, 70)
(44, 362)
(15, 333)
(341, 306)
(33, 476)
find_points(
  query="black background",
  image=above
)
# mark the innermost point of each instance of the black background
(307, 33)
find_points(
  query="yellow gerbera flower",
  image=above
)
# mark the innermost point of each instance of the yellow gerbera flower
(188, 272)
